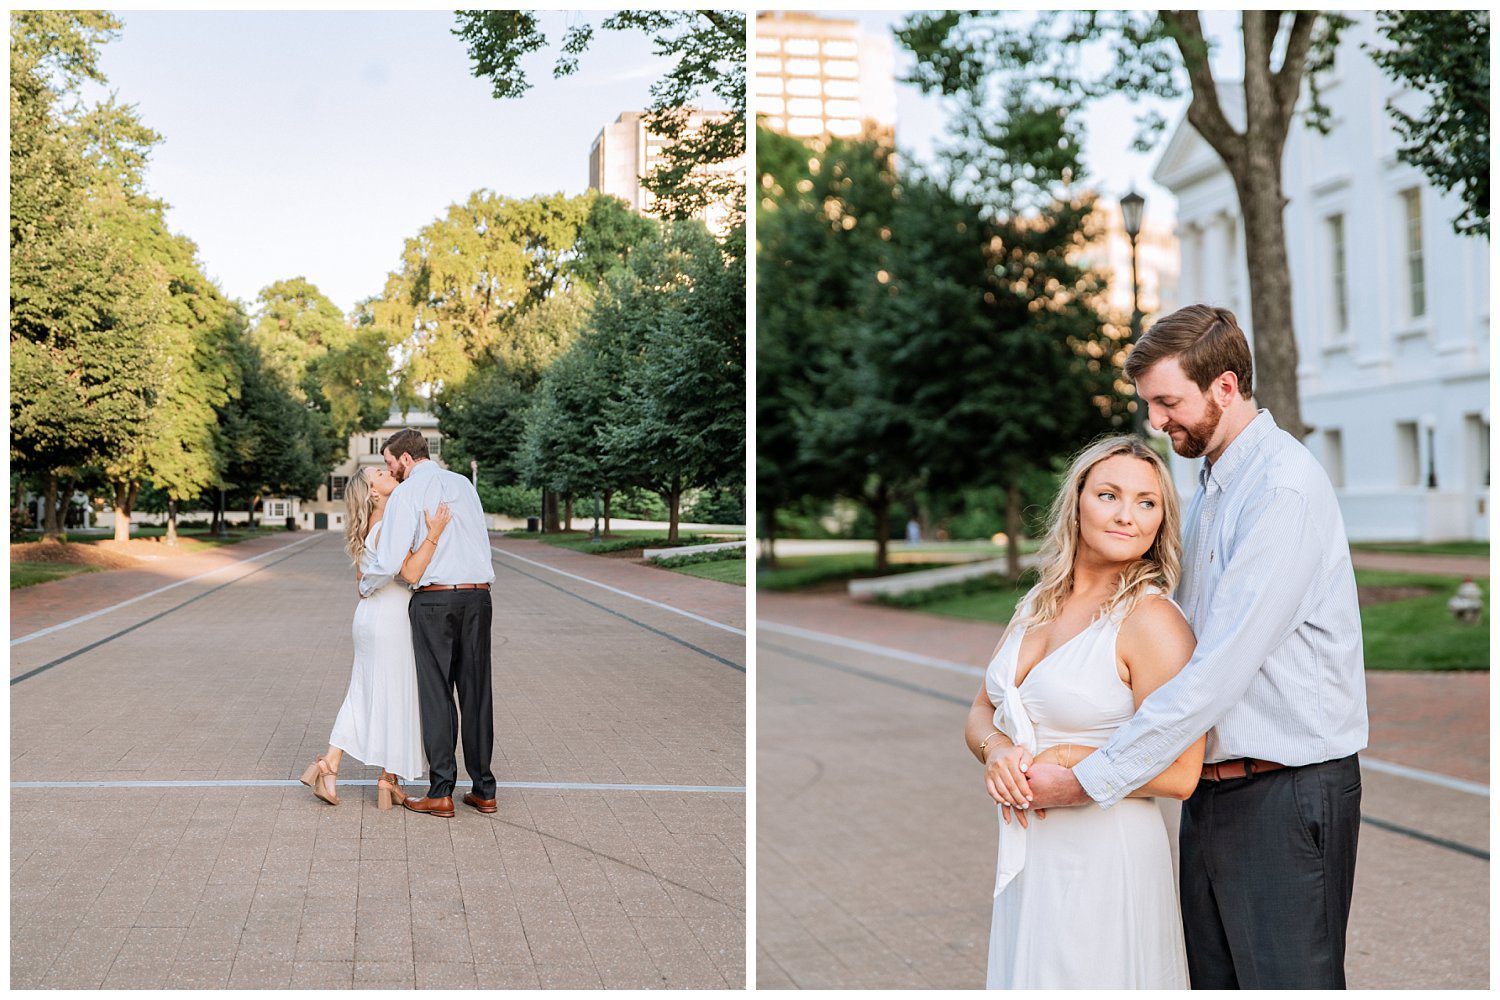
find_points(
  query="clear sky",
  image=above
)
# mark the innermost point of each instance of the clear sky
(1110, 124)
(315, 144)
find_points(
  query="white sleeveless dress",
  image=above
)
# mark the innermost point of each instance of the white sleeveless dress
(379, 722)
(1087, 897)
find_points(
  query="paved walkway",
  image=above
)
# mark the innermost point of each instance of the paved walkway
(1402, 562)
(616, 858)
(875, 861)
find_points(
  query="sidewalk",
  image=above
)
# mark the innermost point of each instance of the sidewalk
(616, 859)
(1399, 562)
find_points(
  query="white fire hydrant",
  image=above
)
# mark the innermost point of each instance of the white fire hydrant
(1467, 604)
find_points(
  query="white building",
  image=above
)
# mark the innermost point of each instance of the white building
(1390, 306)
(327, 510)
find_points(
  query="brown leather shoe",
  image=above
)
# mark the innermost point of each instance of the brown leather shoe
(483, 805)
(432, 807)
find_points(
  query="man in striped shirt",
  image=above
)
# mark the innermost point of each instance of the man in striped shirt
(1268, 839)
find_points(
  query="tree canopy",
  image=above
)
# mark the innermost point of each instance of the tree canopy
(1444, 55)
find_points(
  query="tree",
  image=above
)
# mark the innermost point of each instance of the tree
(710, 50)
(274, 443)
(994, 341)
(1444, 55)
(465, 281)
(87, 364)
(829, 421)
(1020, 86)
(678, 420)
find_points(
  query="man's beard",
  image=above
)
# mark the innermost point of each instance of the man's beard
(1195, 438)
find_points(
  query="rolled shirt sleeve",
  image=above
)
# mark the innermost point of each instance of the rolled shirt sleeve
(398, 537)
(1253, 610)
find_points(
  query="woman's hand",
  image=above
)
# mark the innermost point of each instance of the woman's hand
(437, 520)
(1005, 779)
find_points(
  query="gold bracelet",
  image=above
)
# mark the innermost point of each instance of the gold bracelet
(984, 744)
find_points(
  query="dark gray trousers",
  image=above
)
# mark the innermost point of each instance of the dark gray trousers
(1267, 876)
(450, 632)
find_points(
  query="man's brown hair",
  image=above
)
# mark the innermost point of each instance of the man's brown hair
(1206, 341)
(407, 441)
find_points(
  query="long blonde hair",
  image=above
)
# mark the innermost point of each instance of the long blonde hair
(1160, 565)
(359, 497)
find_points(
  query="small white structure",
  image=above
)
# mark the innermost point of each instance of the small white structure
(326, 511)
(1391, 307)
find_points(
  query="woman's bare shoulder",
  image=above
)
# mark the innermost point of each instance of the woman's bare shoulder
(1154, 619)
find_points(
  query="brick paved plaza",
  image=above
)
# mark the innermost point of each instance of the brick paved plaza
(238, 877)
(876, 841)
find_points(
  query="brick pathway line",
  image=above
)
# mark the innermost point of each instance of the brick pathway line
(1400, 562)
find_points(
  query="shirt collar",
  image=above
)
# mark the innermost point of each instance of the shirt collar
(1240, 449)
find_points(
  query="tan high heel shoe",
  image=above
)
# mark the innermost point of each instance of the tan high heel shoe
(315, 775)
(389, 790)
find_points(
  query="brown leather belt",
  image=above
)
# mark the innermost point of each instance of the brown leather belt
(453, 586)
(1244, 767)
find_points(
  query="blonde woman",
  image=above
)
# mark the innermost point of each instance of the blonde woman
(1086, 898)
(379, 721)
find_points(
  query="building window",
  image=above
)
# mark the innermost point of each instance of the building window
(1339, 273)
(278, 508)
(1333, 457)
(336, 486)
(1408, 454)
(434, 447)
(1416, 283)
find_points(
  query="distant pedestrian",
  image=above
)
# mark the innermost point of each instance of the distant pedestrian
(913, 531)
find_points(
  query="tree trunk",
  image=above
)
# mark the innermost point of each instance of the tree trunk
(250, 514)
(674, 501)
(771, 537)
(124, 504)
(171, 522)
(881, 508)
(608, 494)
(550, 523)
(1013, 532)
(1262, 203)
(51, 522)
(218, 516)
(568, 513)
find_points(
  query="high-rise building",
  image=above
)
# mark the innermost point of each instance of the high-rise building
(818, 76)
(626, 150)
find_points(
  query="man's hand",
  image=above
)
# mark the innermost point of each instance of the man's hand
(1053, 786)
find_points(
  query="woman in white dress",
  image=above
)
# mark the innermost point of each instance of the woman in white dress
(379, 721)
(1087, 897)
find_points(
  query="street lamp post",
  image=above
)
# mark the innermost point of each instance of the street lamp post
(1132, 206)
(1429, 424)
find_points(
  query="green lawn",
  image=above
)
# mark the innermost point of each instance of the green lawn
(1481, 549)
(24, 574)
(1418, 633)
(723, 570)
(1415, 633)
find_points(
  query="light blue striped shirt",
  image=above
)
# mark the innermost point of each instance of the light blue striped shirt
(463, 550)
(1268, 588)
